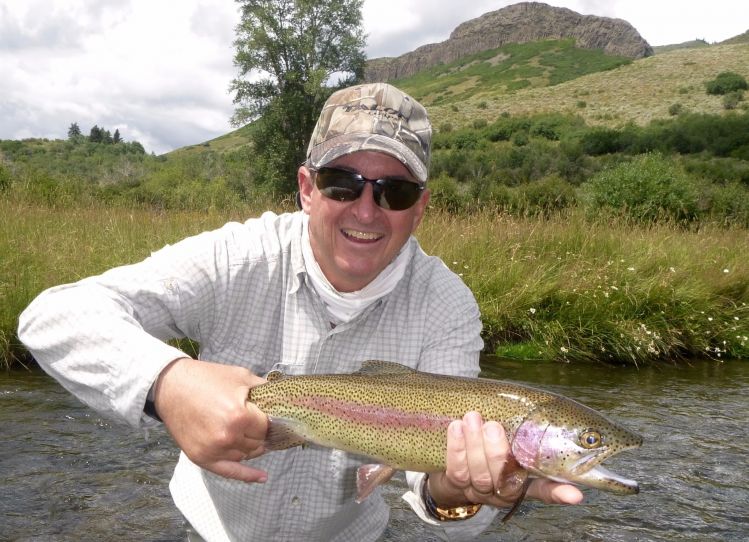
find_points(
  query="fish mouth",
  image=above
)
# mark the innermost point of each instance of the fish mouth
(600, 477)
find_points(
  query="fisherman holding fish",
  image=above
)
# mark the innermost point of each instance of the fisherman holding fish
(318, 291)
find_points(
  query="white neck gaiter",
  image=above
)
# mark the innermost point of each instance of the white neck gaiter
(344, 306)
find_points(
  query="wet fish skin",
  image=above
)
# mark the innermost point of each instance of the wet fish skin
(399, 416)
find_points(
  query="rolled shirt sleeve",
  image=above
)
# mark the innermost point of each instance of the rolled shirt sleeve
(103, 337)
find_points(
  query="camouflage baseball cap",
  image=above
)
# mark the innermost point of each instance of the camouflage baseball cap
(373, 117)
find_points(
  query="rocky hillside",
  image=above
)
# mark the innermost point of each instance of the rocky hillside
(519, 23)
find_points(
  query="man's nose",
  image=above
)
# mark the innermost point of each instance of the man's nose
(365, 207)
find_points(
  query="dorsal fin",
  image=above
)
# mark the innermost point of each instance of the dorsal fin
(377, 367)
(275, 374)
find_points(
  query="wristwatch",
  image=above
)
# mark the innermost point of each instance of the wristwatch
(446, 514)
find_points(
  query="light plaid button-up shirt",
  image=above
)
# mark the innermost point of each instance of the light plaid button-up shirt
(241, 292)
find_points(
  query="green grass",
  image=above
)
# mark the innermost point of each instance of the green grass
(45, 245)
(564, 288)
(568, 288)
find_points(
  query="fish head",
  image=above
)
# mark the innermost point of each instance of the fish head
(566, 441)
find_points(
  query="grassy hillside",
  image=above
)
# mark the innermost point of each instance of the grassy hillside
(554, 76)
(226, 143)
(741, 38)
(638, 92)
(507, 70)
(660, 49)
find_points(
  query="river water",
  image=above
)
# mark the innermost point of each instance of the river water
(67, 474)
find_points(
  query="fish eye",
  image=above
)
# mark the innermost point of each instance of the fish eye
(591, 439)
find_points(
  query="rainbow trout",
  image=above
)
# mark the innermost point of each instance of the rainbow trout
(399, 416)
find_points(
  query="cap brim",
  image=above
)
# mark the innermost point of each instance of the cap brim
(345, 144)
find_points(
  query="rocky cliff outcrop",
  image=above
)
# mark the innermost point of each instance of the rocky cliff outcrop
(519, 23)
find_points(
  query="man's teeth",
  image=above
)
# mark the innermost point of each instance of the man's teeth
(366, 236)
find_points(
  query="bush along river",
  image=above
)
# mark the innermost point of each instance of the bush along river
(68, 474)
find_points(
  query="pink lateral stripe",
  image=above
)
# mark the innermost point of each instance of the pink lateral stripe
(373, 414)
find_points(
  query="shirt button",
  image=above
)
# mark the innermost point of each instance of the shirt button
(295, 500)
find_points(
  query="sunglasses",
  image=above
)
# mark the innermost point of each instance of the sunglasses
(389, 193)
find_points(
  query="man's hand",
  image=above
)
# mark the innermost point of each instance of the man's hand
(481, 469)
(203, 406)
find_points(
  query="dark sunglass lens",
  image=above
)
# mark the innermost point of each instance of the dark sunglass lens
(339, 184)
(398, 195)
(343, 185)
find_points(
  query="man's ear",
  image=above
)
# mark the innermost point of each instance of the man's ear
(304, 181)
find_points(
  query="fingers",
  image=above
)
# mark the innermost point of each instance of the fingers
(554, 492)
(457, 471)
(204, 408)
(238, 471)
(482, 478)
(497, 450)
(257, 425)
(480, 465)
(478, 455)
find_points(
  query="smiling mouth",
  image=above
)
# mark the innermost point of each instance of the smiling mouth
(361, 235)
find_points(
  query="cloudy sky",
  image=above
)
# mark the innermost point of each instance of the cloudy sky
(159, 71)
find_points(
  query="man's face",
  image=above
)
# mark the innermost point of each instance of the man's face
(353, 241)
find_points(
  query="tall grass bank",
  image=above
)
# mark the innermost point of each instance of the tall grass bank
(566, 287)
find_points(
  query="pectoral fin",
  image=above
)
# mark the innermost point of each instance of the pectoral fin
(282, 434)
(368, 477)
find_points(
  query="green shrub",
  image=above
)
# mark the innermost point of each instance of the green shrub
(549, 127)
(648, 188)
(675, 109)
(5, 178)
(732, 99)
(601, 141)
(543, 197)
(726, 82)
(729, 203)
(520, 139)
(445, 193)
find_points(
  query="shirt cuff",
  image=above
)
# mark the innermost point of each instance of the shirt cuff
(454, 531)
(413, 498)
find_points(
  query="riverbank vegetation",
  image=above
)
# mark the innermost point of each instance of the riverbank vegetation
(565, 286)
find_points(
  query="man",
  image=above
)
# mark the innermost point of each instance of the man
(317, 291)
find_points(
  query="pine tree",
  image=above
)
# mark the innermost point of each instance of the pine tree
(74, 132)
(117, 138)
(96, 134)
